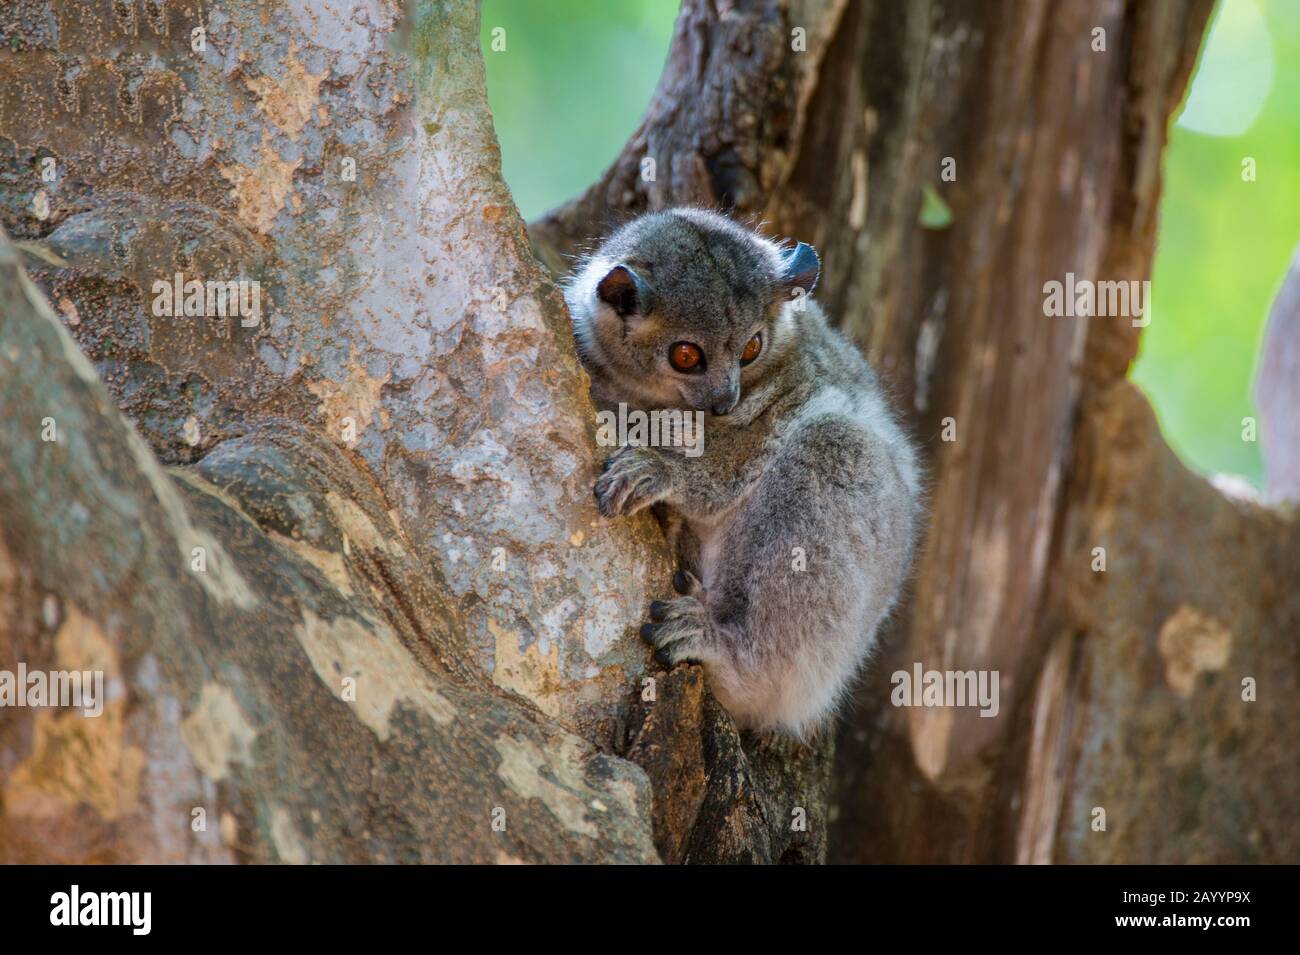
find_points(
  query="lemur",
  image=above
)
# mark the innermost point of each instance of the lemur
(794, 530)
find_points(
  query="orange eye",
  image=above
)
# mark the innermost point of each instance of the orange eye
(685, 357)
(752, 349)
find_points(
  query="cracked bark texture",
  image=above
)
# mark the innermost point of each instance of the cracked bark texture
(448, 560)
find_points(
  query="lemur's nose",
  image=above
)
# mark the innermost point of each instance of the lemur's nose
(726, 405)
(725, 393)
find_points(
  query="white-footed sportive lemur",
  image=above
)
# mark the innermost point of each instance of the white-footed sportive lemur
(795, 527)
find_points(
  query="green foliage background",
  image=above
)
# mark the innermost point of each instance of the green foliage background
(569, 88)
(575, 76)
(1224, 244)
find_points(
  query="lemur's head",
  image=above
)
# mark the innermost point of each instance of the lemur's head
(683, 308)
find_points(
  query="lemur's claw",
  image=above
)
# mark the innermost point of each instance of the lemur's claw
(688, 585)
(679, 630)
(633, 477)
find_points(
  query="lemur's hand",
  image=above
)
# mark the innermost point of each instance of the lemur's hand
(634, 478)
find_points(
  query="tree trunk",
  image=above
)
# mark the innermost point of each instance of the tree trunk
(412, 637)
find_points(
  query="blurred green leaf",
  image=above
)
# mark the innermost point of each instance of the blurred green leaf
(935, 213)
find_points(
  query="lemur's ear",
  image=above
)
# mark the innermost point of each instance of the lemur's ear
(801, 268)
(625, 292)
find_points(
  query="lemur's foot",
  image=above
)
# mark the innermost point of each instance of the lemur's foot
(680, 630)
(634, 478)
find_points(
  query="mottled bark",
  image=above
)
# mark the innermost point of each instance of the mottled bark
(1170, 692)
(284, 681)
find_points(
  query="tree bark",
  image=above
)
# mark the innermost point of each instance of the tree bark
(390, 475)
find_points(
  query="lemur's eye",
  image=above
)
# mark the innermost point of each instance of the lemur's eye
(686, 357)
(752, 349)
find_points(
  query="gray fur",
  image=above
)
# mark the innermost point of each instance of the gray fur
(810, 457)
